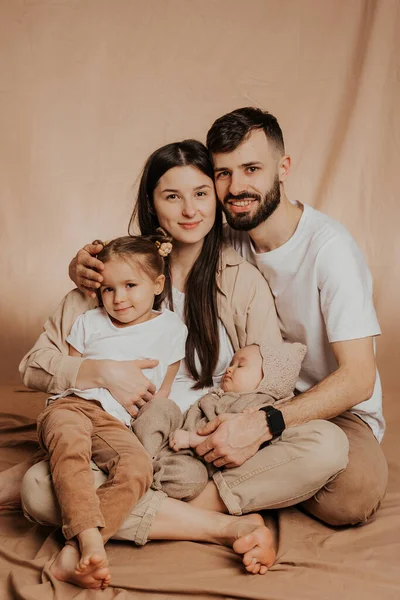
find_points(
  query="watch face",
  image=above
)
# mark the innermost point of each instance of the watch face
(276, 422)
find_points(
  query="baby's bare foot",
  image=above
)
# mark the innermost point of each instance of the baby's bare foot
(64, 569)
(179, 439)
(249, 537)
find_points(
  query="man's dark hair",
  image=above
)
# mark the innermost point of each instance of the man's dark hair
(230, 130)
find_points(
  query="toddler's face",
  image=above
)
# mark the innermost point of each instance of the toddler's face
(128, 292)
(245, 371)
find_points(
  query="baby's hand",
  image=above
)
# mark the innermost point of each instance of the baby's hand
(179, 439)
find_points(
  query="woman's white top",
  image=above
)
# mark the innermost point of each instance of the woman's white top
(181, 391)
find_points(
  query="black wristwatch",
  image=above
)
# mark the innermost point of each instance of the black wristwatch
(276, 423)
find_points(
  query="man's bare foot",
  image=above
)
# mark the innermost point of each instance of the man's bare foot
(64, 569)
(248, 536)
(93, 553)
(10, 485)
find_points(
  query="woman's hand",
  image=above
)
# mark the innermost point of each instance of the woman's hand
(127, 384)
(123, 379)
(235, 438)
(81, 269)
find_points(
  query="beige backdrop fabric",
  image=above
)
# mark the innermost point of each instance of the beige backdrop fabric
(88, 88)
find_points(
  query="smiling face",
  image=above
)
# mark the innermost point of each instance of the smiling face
(247, 181)
(128, 291)
(245, 371)
(185, 204)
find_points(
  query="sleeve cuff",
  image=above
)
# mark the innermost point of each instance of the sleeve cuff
(66, 373)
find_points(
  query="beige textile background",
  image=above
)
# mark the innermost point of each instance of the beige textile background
(88, 88)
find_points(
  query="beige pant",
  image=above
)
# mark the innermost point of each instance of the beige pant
(181, 475)
(289, 471)
(72, 431)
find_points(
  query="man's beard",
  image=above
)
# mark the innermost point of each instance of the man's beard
(246, 221)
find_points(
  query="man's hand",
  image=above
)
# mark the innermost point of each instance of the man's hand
(234, 439)
(126, 382)
(81, 269)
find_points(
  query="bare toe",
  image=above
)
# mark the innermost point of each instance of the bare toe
(257, 549)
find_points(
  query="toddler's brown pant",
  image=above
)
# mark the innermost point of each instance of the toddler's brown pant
(73, 431)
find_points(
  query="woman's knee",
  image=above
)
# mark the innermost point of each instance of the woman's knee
(155, 422)
(39, 503)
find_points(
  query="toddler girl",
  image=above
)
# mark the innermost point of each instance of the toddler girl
(80, 425)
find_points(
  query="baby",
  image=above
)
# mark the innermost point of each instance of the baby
(258, 376)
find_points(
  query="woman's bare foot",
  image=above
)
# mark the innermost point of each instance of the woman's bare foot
(248, 536)
(10, 485)
(93, 553)
(64, 569)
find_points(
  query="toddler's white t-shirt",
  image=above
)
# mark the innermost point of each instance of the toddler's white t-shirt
(95, 336)
(323, 294)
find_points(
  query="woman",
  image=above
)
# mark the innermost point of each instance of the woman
(226, 305)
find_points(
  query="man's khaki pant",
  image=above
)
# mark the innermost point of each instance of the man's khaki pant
(72, 431)
(305, 459)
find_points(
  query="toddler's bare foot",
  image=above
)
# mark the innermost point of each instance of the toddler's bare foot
(64, 569)
(93, 553)
(248, 536)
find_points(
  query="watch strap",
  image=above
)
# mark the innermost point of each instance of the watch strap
(275, 421)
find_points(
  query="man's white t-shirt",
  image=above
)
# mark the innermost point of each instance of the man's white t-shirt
(323, 294)
(96, 337)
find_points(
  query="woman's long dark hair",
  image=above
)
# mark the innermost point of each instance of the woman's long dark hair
(201, 310)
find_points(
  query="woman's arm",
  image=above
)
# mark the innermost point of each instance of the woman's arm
(47, 366)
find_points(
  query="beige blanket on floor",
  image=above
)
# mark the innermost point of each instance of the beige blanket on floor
(314, 562)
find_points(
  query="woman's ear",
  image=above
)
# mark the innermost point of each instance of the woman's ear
(159, 284)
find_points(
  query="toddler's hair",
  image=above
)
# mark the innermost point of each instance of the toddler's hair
(145, 250)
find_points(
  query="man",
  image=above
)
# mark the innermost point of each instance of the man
(323, 294)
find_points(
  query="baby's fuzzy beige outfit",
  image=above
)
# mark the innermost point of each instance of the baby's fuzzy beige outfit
(182, 475)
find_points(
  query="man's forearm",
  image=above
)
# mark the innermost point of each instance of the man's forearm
(335, 394)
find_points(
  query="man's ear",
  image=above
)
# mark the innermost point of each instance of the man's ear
(159, 284)
(284, 167)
